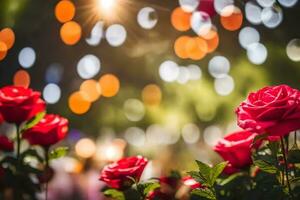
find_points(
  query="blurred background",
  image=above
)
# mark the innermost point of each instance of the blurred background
(156, 78)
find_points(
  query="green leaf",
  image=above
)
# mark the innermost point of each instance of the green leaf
(204, 192)
(274, 147)
(32, 153)
(115, 194)
(265, 166)
(230, 178)
(31, 123)
(195, 175)
(216, 171)
(147, 187)
(58, 153)
(204, 171)
(259, 137)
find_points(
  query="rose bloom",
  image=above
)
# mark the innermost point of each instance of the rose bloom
(236, 149)
(274, 110)
(19, 104)
(6, 144)
(118, 175)
(50, 130)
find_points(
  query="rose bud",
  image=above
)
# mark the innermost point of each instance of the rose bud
(50, 130)
(19, 104)
(119, 174)
(6, 144)
(274, 110)
(236, 149)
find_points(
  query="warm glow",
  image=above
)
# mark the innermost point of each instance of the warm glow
(180, 46)
(111, 151)
(110, 85)
(106, 6)
(180, 19)
(64, 11)
(3, 50)
(78, 103)
(151, 94)
(70, 33)
(212, 43)
(8, 37)
(85, 148)
(22, 78)
(92, 90)
(196, 48)
(231, 18)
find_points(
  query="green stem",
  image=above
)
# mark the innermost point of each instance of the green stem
(18, 142)
(295, 140)
(286, 166)
(46, 149)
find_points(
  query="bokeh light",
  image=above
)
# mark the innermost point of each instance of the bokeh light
(91, 89)
(147, 18)
(293, 50)
(266, 3)
(272, 16)
(96, 35)
(21, 78)
(212, 41)
(212, 134)
(201, 23)
(78, 103)
(27, 57)
(253, 13)
(70, 32)
(116, 35)
(85, 148)
(219, 66)
(231, 18)
(54, 73)
(88, 66)
(168, 71)
(7, 36)
(190, 133)
(195, 72)
(65, 11)
(196, 48)
(257, 53)
(51, 93)
(221, 4)
(109, 84)
(189, 5)
(224, 85)
(184, 75)
(134, 110)
(181, 19)
(180, 46)
(248, 36)
(135, 136)
(151, 94)
(288, 3)
(3, 50)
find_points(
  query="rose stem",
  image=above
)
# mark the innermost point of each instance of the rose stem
(46, 171)
(295, 140)
(285, 165)
(18, 142)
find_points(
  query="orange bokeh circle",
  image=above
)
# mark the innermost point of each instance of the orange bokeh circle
(231, 18)
(92, 90)
(110, 85)
(3, 50)
(65, 11)
(21, 78)
(7, 36)
(78, 103)
(70, 33)
(151, 94)
(180, 46)
(180, 19)
(196, 48)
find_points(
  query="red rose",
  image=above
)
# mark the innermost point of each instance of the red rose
(50, 130)
(118, 175)
(19, 104)
(190, 182)
(236, 149)
(274, 110)
(6, 144)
